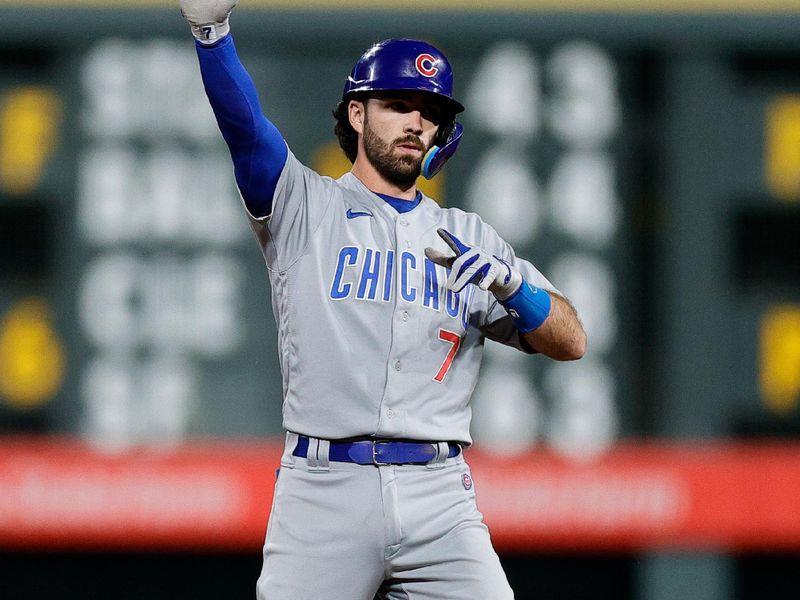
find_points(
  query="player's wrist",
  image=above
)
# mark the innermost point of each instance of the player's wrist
(211, 33)
(529, 307)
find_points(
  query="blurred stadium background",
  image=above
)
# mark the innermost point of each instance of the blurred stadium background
(645, 154)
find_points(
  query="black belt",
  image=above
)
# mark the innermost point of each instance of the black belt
(379, 452)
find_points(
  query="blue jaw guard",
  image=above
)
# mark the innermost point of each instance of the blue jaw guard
(436, 157)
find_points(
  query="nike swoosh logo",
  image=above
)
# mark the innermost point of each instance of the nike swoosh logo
(352, 214)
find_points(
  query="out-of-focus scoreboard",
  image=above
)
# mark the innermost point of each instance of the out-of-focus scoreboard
(648, 164)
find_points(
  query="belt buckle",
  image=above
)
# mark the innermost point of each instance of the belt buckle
(375, 453)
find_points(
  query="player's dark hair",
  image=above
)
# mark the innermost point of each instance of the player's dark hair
(347, 136)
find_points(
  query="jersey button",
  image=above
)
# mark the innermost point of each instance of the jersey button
(403, 222)
(408, 243)
(397, 365)
(390, 413)
(405, 315)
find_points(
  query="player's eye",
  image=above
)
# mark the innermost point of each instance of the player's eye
(432, 113)
(399, 106)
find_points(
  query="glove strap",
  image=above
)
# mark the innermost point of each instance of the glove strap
(529, 306)
(210, 33)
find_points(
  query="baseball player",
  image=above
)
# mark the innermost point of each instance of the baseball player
(383, 301)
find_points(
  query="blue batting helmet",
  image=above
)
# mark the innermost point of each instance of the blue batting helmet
(403, 64)
(412, 65)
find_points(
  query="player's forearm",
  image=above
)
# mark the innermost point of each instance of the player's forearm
(561, 336)
(257, 147)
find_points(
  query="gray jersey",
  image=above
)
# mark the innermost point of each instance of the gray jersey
(371, 342)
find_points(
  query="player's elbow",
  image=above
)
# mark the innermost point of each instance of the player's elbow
(572, 349)
(577, 349)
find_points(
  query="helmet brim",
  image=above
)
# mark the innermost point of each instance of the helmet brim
(448, 104)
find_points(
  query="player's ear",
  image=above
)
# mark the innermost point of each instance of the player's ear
(355, 113)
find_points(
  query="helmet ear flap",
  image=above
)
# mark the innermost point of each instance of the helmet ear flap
(445, 131)
(438, 154)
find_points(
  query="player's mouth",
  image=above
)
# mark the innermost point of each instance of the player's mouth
(410, 147)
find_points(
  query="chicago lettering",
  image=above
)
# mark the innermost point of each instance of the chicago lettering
(369, 274)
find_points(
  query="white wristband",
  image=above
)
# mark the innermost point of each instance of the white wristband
(211, 33)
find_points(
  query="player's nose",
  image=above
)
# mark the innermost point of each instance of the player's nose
(413, 122)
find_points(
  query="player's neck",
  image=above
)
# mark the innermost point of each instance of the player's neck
(375, 182)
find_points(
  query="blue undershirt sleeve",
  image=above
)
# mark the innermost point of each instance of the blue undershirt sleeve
(257, 147)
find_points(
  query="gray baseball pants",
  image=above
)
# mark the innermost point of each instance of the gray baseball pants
(342, 531)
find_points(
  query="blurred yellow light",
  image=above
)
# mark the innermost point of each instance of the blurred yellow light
(780, 358)
(329, 160)
(31, 355)
(29, 118)
(782, 161)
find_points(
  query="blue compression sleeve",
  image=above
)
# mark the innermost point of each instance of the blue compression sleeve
(529, 306)
(257, 147)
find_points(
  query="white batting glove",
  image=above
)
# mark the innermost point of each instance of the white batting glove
(208, 18)
(474, 265)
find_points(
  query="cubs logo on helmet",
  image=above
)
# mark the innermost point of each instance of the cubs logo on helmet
(425, 65)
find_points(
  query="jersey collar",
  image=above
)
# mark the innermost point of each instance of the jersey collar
(399, 204)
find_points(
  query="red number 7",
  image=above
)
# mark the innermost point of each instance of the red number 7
(451, 338)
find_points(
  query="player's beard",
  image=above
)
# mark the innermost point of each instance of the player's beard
(401, 170)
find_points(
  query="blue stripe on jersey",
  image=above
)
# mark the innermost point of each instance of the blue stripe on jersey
(387, 280)
(400, 205)
(451, 303)
(256, 146)
(369, 275)
(430, 295)
(408, 262)
(468, 292)
(347, 256)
